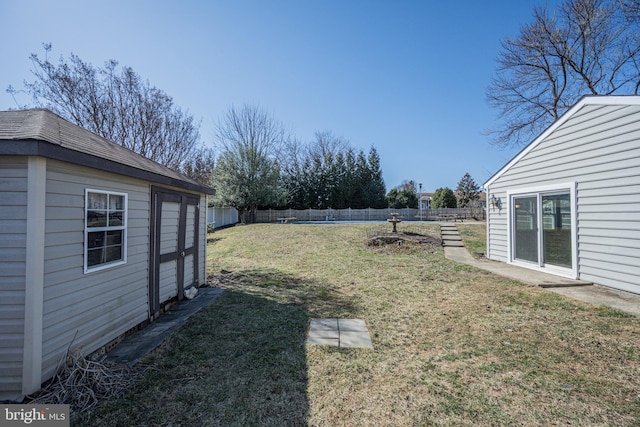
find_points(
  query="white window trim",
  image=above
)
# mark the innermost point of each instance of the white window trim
(123, 227)
(538, 191)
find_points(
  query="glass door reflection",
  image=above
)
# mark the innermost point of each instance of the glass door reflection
(526, 228)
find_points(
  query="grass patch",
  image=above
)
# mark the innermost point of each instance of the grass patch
(474, 236)
(453, 345)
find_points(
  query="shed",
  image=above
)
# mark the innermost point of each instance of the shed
(569, 202)
(94, 239)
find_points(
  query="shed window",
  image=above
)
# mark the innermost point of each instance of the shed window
(105, 233)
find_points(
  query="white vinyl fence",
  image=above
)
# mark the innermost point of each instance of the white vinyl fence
(370, 214)
(221, 217)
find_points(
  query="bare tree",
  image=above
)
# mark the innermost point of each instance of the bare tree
(252, 145)
(116, 104)
(326, 144)
(200, 166)
(585, 47)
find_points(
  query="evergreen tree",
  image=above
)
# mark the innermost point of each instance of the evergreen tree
(467, 191)
(361, 178)
(350, 182)
(375, 189)
(330, 174)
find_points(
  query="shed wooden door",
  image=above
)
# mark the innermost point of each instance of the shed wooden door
(173, 261)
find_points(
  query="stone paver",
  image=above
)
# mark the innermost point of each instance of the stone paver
(329, 334)
(333, 342)
(355, 339)
(342, 333)
(356, 325)
(323, 324)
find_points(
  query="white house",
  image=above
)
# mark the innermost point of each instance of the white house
(94, 240)
(569, 202)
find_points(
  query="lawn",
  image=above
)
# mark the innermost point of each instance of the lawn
(453, 345)
(474, 235)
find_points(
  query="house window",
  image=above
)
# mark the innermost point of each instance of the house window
(105, 232)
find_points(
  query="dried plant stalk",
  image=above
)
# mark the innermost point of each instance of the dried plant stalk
(82, 382)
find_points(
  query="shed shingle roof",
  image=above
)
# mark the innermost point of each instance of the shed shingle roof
(41, 132)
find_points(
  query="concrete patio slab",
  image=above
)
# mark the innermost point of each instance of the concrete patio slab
(342, 333)
(324, 324)
(355, 325)
(330, 334)
(355, 340)
(576, 289)
(332, 342)
(140, 343)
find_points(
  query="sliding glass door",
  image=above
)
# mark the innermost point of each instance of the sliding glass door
(526, 228)
(541, 225)
(556, 229)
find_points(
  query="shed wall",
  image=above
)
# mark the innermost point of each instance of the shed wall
(13, 229)
(202, 242)
(89, 310)
(598, 148)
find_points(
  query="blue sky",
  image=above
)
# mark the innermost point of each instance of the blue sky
(407, 77)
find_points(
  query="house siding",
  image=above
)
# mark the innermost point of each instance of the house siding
(13, 230)
(89, 310)
(598, 148)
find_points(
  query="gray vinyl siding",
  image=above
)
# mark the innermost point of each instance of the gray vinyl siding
(202, 241)
(598, 147)
(497, 223)
(13, 229)
(79, 310)
(89, 310)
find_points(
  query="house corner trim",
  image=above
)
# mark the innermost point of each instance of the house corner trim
(34, 277)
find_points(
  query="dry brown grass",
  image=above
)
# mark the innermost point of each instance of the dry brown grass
(453, 346)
